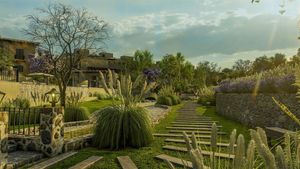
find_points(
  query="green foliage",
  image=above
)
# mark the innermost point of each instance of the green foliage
(76, 113)
(6, 60)
(21, 103)
(287, 158)
(167, 96)
(120, 126)
(207, 96)
(152, 96)
(74, 98)
(122, 88)
(164, 100)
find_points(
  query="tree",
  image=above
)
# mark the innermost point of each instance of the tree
(242, 67)
(278, 59)
(6, 60)
(62, 31)
(261, 64)
(141, 61)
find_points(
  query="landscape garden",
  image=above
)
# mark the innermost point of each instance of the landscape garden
(148, 114)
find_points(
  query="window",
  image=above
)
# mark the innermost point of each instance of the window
(19, 54)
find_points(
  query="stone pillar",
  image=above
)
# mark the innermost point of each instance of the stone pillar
(3, 139)
(52, 131)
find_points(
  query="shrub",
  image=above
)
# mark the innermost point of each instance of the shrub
(152, 96)
(207, 96)
(278, 80)
(164, 100)
(101, 96)
(76, 114)
(175, 99)
(21, 103)
(128, 126)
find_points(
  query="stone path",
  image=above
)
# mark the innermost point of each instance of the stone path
(87, 163)
(189, 121)
(52, 161)
(17, 159)
(126, 162)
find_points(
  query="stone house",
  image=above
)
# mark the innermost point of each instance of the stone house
(20, 50)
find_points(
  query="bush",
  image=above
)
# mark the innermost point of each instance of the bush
(76, 114)
(175, 99)
(207, 97)
(164, 100)
(152, 96)
(278, 80)
(128, 126)
(21, 103)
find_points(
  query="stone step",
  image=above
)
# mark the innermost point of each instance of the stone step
(193, 120)
(18, 159)
(192, 125)
(199, 142)
(190, 128)
(179, 135)
(126, 162)
(53, 160)
(196, 132)
(195, 123)
(206, 153)
(175, 160)
(87, 163)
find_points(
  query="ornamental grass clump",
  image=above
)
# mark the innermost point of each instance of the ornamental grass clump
(167, 96)
(125, 123)
(257, 156)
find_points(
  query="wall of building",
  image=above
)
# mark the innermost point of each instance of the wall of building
(11, 46)
(258, 111)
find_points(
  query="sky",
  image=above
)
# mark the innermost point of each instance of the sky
(220, 31)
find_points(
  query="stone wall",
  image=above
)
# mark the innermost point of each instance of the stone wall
(258, 111)
(3, 139)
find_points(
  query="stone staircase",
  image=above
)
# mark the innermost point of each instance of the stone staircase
(189, 121)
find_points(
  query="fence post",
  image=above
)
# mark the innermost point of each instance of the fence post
(52, 131)
(3, 139)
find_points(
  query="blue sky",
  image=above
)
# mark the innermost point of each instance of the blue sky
(221, 31)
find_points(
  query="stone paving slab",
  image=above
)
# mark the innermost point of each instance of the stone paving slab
(190, 128)
(179, 135)
(126, 162)
(52, 161)
(193, 125)
(175, 160)
(87, 163)
(206, 153)
(199, 142)
(196, 123)
(196, 132)
(20, 158)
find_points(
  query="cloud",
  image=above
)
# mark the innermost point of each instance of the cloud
(205, 34)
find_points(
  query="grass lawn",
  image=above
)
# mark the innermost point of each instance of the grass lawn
(228, 125)
(95, 105)
(143, 158)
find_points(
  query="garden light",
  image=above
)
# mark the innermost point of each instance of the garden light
(53, 96)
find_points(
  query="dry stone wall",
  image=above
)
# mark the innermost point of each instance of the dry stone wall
(258, 111)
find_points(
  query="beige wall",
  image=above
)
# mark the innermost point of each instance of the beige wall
(14, 89)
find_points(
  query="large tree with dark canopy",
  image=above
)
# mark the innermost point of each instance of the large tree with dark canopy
(62, 30)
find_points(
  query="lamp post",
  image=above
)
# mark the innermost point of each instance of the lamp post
(53, 97)
(2, 95)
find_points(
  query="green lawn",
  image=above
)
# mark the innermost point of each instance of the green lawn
(228, 125)
(95, 105)
(143, 158)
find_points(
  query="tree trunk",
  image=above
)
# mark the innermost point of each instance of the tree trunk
(63, 97)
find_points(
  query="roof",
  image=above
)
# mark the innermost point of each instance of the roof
(18, 40)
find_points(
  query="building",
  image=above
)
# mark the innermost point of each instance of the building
(89, 67)
(20, 50)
